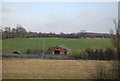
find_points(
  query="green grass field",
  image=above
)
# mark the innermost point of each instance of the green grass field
(21, 44)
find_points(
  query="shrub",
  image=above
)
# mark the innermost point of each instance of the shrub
(110, 53)
(101, 72)
(76, 56)
(79, 55)
(101, 54)
(90, 53)
(28, 51)
(95, 54)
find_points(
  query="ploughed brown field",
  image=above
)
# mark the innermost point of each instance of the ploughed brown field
(29, 68)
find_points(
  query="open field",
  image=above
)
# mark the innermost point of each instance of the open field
(10, 45)
(22, 68)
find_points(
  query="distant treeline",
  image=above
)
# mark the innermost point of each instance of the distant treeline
(20, 32)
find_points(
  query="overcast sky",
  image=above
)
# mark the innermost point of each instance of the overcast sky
(60, 16)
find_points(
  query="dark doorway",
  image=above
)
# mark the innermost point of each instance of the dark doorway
(56, 52)
(65, 52)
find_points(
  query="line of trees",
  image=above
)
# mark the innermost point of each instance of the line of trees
(20, 32)
(96, 54)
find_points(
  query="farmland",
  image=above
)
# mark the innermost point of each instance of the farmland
(21, 44)
(33, 68)
(24, 68)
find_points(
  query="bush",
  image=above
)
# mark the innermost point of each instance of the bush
(84, 55)
(90, 53)
(110, 54)
(29, 51)
(76, 56)
(101, 55)
(79, 55)
(95, 54)
(101, 72)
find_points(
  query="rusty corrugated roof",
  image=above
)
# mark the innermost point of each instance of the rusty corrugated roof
(64, 47)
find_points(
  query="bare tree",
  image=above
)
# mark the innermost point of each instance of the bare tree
(116, 38)
(100, 72)
(20, 31)
(116, 43)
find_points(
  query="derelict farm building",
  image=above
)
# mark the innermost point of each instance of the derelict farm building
(59, 50)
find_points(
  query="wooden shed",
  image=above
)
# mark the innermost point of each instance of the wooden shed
(59, 50)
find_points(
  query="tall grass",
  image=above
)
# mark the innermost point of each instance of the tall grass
(23, 68)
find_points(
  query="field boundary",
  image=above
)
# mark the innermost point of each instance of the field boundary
(36, 56)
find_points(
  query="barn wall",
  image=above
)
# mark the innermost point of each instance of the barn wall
(62, 51)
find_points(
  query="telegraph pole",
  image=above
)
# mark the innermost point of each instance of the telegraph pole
(44, 45)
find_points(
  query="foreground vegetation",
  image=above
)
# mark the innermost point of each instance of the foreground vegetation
(22, 44)
(24, 68)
